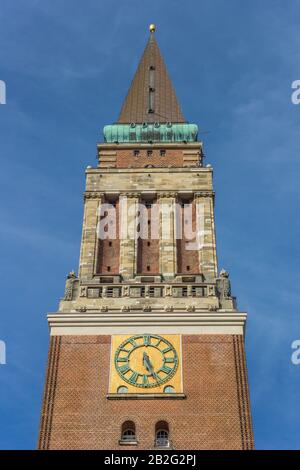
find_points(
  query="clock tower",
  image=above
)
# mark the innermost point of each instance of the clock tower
(147, 347)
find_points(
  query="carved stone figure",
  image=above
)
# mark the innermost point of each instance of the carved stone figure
(71, 277)
(223, 284)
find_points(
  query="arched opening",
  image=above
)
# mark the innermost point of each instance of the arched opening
(169, 389)
(162, 434)
(128, 434)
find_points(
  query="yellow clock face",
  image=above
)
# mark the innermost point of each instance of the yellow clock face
(146, 361)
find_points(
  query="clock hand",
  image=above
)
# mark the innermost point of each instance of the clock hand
(147, 363)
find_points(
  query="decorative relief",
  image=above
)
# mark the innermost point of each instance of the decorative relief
(125, 308)
(212, 308)
(125, 291)
(200, 194)
(168, 194)
(83, 291)
(169, 308)
(131, 195)
(168, 291)
(211, 291)
(81, 309)
(104, 308)
(93, 195)
(190, 308)
(147, 308)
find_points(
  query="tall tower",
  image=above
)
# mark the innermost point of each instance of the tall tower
(147, 348)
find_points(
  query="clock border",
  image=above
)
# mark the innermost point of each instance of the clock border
(163, 381)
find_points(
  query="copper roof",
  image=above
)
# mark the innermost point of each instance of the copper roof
(151, 96)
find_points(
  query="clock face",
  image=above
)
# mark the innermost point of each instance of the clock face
(146, 360)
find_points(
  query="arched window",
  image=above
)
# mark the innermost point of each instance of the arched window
(162, 434)
(169, 389)
(128, 432)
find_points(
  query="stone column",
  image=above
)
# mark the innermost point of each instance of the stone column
(128, 205)
(205, 227)
(88, 250)
(167, 235)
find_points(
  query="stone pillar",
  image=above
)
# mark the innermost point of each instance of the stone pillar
(205, 227)
(88, 250)
(167, 235)
(128, 204)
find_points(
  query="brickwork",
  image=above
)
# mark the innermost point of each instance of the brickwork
(187, 260)
(214, 415)
(149, 157)
(109, 250)
(148, 248)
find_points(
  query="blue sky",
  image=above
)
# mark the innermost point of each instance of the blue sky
(67, 67)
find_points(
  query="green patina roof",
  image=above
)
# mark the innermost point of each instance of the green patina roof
(150, 132)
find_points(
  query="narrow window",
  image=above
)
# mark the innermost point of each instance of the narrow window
(108, 268)
(136, 153)
(110, 244)
(149, 153)
(148, 268)
(162, 434)
(187, 268)
(128, 432)
(162, 153)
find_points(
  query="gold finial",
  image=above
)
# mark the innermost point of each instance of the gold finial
(152, 28)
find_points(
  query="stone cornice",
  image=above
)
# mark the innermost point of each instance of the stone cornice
(130, 322)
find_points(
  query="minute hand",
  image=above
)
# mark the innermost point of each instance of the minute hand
(147, 363)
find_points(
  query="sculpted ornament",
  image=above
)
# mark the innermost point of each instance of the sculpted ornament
(71, 277)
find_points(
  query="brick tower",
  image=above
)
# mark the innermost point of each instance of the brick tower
(147, 348)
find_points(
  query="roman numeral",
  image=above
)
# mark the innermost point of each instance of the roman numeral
(169, 359)
(132, 341)
(124, 369)
(133, 378)
(145, 379)
(164, 351)
(123, 359)
(165, 369)
(147, 340)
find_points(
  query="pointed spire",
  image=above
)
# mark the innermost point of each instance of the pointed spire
(151, 96)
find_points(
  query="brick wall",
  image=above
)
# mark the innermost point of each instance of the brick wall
(215, 414)
(148, 248)
(108, 253)
(187, 260)
(125, 158)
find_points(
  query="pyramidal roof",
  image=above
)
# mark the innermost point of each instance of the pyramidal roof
(151, 96)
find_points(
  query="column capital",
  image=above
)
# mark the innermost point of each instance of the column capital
(167, 194)
(131, 194)
(201, 194)
(93, 195)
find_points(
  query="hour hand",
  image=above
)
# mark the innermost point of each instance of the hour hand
(147, 363)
